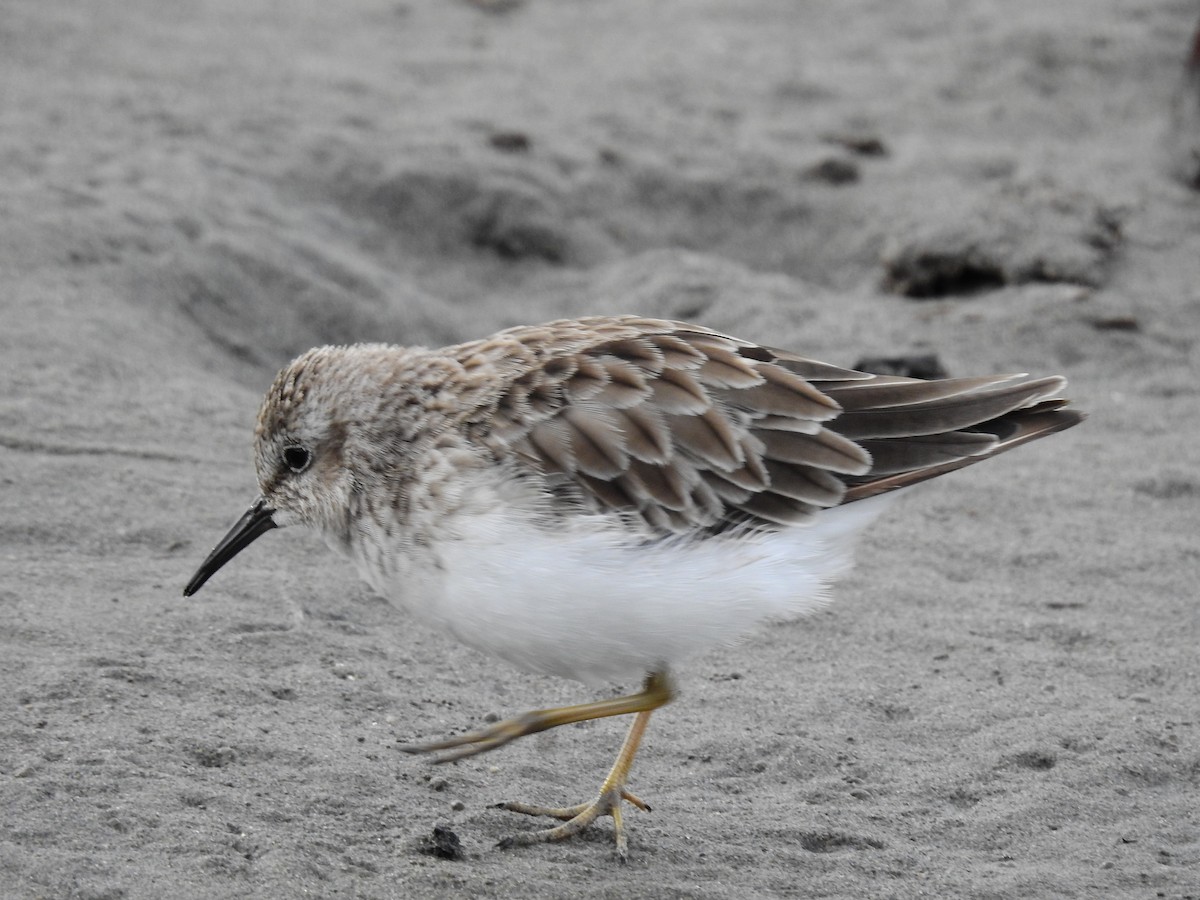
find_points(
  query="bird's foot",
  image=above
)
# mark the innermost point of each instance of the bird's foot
(577, 818)
(489, 738)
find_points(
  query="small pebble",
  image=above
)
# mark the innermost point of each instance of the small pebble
(443, 843)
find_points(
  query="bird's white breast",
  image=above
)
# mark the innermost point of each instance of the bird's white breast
(585, 599)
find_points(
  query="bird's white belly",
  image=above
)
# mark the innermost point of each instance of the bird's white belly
(587, 601)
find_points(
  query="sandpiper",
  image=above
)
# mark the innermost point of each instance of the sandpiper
(601, 498)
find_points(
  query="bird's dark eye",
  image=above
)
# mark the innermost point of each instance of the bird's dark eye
(296, 458)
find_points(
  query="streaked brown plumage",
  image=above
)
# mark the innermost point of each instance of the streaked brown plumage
(692, 429)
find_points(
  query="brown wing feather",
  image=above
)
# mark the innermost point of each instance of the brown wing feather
(688, 428)
(1011, 430)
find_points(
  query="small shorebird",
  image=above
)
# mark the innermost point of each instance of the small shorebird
(600, 498)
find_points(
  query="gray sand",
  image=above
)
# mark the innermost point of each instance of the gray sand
(1002, 701)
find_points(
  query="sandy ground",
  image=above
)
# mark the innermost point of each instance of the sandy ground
(1002, 703)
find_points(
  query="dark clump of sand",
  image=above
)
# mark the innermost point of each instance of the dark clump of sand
(1000, 703)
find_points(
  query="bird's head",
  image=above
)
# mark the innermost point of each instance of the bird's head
(307, 425)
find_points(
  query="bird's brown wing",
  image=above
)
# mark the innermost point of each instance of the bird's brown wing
(689, 428)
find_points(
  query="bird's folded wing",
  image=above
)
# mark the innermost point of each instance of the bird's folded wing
(689, 428)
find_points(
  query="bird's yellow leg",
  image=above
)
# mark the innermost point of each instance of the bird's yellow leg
(607, 802)
(656, 692)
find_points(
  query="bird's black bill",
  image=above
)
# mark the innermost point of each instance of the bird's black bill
(256, 521)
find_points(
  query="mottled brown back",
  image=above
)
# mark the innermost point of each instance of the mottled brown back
(692, 429)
